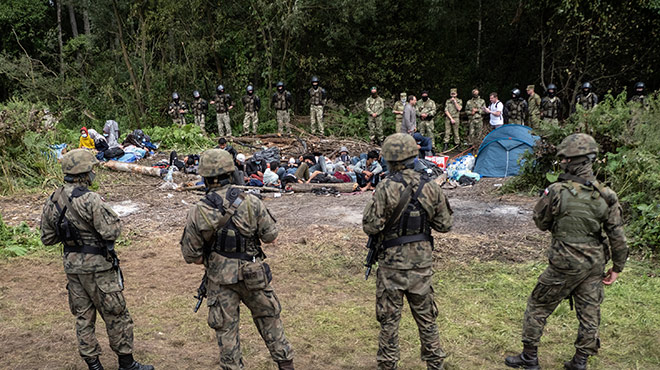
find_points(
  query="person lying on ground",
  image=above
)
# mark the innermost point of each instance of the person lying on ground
(86, 142)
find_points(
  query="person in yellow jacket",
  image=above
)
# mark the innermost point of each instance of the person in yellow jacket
(86, 141)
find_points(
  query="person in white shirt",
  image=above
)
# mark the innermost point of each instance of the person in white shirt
(495, 110)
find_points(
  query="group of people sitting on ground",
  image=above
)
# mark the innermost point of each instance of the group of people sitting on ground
(106, 146)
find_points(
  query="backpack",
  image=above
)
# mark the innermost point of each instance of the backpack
(505, 112)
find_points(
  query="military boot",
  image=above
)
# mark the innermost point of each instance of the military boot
(285, 365)
(445, 147)
(435, 365)
(94, 363)
(126, 362)
(528, 359)
(387, 365)
(578, 362)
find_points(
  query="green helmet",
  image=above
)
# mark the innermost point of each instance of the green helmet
(215, 162)
(78, 161)
(577, 145)
(399, 147)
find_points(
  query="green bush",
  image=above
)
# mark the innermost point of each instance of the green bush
(186, 138)
(18, 240)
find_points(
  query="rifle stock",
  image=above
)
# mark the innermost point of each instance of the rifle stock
(373, 244)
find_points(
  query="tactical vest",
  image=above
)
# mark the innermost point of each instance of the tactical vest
(639, 99)
(316, 96)
(413, 225)
(175, 107)
(516, 111)
(582, 210)
(75, 234)
(249, 102)
(222, 103)
(587, 101)
(227, 239)
(199, 106)
(280, 101)
(550, 107)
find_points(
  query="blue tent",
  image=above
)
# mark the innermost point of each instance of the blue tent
(499, 152)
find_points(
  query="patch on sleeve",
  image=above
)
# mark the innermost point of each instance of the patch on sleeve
(546, 191)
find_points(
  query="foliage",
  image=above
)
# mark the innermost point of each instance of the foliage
(18, 240)
(629, 160)
(188, 137)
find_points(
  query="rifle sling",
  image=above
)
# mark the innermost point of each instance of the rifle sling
(400, 207)
(80, 221)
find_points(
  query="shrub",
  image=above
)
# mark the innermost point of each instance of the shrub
(18, 240)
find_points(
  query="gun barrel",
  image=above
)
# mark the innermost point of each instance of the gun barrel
(199, 303)
(366, 274)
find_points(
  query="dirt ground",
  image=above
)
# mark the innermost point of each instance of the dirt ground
(36, 329)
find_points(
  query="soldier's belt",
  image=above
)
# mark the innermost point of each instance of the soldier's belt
(86, 249)
(406, 239)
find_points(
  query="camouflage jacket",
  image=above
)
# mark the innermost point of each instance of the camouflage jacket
(282, 100)
(375, 105)
(222, 103)
(381, 206)
(398, 107)
(534, 105)
(427, 107)
(587, 101)
(475, 103)
(252, 103)
(641, 100)
(174, 109)
(199, 107)
(517, 110)
(451, 108)
(317, 96)
(551, 107)
(577, 215)
(252, 219)
(91, 208)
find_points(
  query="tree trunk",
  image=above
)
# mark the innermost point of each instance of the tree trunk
(344, 187)
(59, 34)
(86, 25)
(72, 18)
(479, 35)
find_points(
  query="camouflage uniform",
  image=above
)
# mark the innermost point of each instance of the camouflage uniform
(375, 104)
(587, 101)
(517, 111)
(316, 102)
(199, 109)
(406, 269)
(450, 108)
(178, 118)
(222, 103)
(474, 107)
(282, 102)
(398, 107)
(93, 284)
(534, 105)
(426, 127)
(226, 272)
(252, 105)
(550, 109)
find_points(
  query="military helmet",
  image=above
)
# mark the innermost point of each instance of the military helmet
(586, 85)
(196, 94)
(220, 89)
(215, 162)
(399, 147)
(175, 96)
(576, 145)
(280, 84)
(516, 92)
(551, 87)
(315, 79)
(640, 85)
(249, 88)
(78, 161)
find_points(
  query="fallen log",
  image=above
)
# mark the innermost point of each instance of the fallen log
(143, 170)
(344, 187)
(264, 189)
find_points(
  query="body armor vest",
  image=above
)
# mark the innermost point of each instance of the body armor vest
(316, 96)
(280, 101)
(587, 101)
(75, 234)
(222, 103)
(250, 103)
(581, 213)
(516, 110)
(413, 225)
(199, 106)
(550, 107)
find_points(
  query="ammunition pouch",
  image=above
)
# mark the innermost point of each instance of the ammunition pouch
(256, 275)
(413, 225)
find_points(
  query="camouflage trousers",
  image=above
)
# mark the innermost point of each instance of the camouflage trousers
(475, 130)
(427, 128)
(251, 118)
(534, 120)
(316, 119)
(397, 123)
(283, 121)
(391, 286)
(375, 128)
(224, 317)
(224, 124)
(181, 121)
(553, 286)
(516, 121)
(200, 120)
(100, 292)
(552, 121)
(452, 127)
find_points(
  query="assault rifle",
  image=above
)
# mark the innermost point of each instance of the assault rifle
(201, 293)
(375, 242)
(110, 246)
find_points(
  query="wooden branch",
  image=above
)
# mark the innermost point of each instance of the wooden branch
(343, 187)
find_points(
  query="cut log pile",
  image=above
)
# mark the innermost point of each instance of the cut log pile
(294, 146)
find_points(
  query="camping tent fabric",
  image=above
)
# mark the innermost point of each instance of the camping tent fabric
(499, 152)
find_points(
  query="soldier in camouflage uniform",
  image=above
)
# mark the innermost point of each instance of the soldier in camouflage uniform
(586, 98)
(517, 107)
(375, 107)
(397, 110)
(453, 108)
(474, 107)
(534, 107)
(87, 228)
(426, 110)
(551, 106)
(252, 104)
(639, 103)
(223, 104)
(405, 259)
(224, 232)
(317, 100)
(177, 110)
(199, 109)
(577, 210)
(282, 101)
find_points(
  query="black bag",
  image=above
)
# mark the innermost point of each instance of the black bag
(115, 152)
